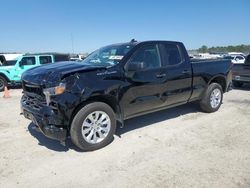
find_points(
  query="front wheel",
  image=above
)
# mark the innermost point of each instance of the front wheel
(3, 83)
(93, 126)
(212, 98)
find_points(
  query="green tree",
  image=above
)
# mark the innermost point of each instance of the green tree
(224, 49)
(203, 49)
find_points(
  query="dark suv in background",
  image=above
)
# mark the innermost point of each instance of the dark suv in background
(241, 73)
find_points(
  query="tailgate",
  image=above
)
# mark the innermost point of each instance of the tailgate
(241, 72)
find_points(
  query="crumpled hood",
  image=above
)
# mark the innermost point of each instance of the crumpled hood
(53, 73)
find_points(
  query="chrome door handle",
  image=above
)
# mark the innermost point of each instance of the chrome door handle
(185, 72)
(160, 75)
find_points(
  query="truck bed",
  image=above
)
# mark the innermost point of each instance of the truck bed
(220, 66)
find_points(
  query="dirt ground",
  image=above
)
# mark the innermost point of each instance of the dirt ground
(179, 147)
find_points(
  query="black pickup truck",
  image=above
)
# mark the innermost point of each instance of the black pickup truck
(241, 73)
(85, 100)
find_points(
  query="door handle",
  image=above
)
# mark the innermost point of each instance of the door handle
(161, 75)
(185, 72)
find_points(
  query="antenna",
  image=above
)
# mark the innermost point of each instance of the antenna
(133, 40)
(72, 43)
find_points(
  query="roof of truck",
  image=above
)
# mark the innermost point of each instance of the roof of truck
(134, 42)
(148, 41)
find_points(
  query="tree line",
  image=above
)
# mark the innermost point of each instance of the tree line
(224, 49)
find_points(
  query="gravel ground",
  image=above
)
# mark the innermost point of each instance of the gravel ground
(179, 147)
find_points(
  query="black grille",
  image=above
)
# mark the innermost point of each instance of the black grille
(33, 102)
(31, 88)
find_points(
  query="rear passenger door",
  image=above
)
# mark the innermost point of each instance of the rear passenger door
(178, 84)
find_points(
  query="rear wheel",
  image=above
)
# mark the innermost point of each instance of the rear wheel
(212, 98)
(237, 84)
(3, 83)
(93, 126)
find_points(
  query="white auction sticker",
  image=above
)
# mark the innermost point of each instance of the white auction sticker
(116, 57)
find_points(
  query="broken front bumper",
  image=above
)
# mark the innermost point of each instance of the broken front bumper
(49, 123)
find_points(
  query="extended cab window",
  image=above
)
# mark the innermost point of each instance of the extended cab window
(148, 55)
(172, 55)
(45, 59)
(28, 61)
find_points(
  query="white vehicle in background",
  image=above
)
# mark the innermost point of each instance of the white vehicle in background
(207, 56)
(78, 57)
(236, 59)
(236, 53)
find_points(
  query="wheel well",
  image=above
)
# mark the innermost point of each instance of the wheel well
(111, 101)
(220, 80)
(5, 77)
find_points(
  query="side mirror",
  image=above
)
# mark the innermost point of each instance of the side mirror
(135, 66)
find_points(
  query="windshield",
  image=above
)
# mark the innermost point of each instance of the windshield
(109, 55)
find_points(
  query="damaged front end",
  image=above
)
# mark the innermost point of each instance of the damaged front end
(47, 118)
(48, 105)
(52, 93)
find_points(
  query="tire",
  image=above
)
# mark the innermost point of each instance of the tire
(87, 116)
(3, 83)
(237, 84)
(207, 103)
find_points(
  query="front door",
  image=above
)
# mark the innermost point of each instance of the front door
(143, 92)
(24, 64)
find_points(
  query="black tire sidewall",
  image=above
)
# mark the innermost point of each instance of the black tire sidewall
(76, 126)
(2, 79)
(205, 102)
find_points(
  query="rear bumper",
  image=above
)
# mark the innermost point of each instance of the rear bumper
(45, 118)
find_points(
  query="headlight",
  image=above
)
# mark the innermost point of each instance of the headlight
(54, 91)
